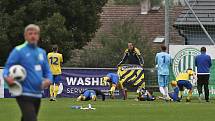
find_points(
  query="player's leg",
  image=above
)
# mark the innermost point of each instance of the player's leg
(188, 85)
(56, 86)
(166, 90)
(51, 90)
(161, 85)
(206, 91)
(180, 84)
(26, 105)
(37, 103)
(199, 85)
(124, 91)
(112, 90)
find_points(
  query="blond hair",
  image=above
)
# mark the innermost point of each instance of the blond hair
(32, 26)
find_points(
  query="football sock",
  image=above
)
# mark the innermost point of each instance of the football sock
(162, 90)
(112, 89)
(56, 91)
(51, 89)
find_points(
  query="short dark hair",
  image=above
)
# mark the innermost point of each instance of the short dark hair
(203, 49)
(163, 48)
(189, 69)
(55, 47)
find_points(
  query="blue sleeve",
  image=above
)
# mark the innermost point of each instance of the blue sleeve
(209, 61)
(196, 60)
(13, 59)
(47, 74)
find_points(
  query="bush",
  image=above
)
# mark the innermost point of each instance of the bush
(113, 47)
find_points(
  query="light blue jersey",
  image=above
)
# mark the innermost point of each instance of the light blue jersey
(33, 59)
(114, 78)
(162, 60)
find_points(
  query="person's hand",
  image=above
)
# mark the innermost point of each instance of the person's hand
(45, 84)
(10, 81)
(141, 65)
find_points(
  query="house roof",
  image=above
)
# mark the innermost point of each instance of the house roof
(204, 9)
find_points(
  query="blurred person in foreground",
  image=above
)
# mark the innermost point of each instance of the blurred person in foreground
(39, 76)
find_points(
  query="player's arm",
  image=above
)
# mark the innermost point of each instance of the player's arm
(209, 61)
(13, 59)
(47, 75)
(98, 92)
(61, 58)
(139, 56)
(125, 57)
(156, 61)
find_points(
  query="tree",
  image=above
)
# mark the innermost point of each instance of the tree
(113, 47)
(68, 23)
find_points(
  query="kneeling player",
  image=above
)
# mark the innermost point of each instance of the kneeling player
(90, 94)
(183, 82)
(145, 95)
(113, 80)
(175, 94)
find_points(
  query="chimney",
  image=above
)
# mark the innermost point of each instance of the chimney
(145, 6)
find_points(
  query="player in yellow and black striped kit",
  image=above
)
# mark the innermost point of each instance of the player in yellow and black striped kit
(55, 60)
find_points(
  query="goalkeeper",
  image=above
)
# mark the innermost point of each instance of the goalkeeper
(90, 94)
(113, 80)
(132, 55)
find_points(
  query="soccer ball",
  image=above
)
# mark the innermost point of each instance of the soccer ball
(17, 72)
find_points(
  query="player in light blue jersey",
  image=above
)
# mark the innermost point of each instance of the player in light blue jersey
(162, 62)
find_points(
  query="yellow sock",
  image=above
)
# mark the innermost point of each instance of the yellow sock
(56, 90)
(189, 94)
(51, 89)
(112, 89)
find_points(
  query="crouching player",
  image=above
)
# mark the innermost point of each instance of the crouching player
(91, 94)
(113, 80)
(145, 95)
(175, 94)
(183, 82)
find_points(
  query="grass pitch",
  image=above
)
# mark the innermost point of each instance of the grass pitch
(114, 110)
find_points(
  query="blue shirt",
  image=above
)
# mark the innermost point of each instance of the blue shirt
(203, 63)
(88, 94)
(114, 78)
(174, 95)
(34, 60)
(162, 60)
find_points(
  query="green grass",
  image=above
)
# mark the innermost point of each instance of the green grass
(114, 110)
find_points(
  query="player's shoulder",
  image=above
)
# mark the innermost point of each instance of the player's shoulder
(41, 50)
(21, 47)
(126, 50)
(137, 51)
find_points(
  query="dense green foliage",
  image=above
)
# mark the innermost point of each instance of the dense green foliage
(68, 23)
(113, 47)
